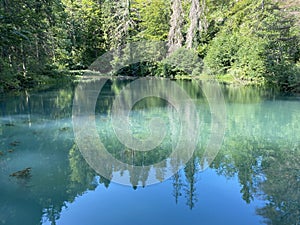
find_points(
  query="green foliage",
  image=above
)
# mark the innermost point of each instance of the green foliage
(251, 40)
(181, 62)
(257, 42)
(221, 53)
(84, 36)
(154, 16)
(281, 49)
(248, 57)
(184, 61)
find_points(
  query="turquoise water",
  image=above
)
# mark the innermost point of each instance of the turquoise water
(254, 179)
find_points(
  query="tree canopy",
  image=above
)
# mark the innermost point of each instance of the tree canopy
(249, 40)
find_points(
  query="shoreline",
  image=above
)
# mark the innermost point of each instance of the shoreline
(71, 77)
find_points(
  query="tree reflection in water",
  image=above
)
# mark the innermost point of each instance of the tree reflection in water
(261, 149)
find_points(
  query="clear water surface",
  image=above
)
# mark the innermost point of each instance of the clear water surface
(255, 178)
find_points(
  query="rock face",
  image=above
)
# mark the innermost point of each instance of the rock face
(22, 173)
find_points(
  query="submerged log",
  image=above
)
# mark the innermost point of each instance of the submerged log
(14, 144)
(9, 125)
(22, 173)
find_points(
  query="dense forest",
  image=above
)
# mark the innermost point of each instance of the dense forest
(241, 41)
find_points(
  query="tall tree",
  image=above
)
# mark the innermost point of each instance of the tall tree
(281, 48)
(119, 23)
(24, 34)
(198, 23)
(84, 31)
(154, 17)
(175, 37)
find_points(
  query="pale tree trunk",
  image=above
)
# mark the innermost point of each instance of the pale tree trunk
(10, 60)
(175, 37)
(53, 48)
(23, 60)
(37, 49)
(198, 22)
(122, 24)
(125, 21)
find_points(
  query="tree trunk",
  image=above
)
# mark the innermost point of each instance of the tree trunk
(198, 23)
(23, 60)
(175, 37)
